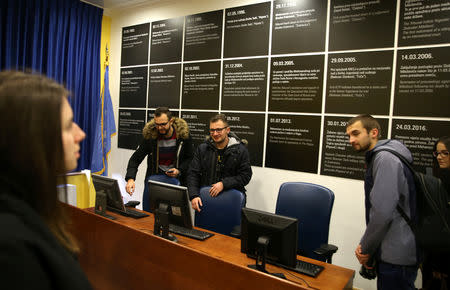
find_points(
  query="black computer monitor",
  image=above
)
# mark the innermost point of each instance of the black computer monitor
(271, 235)
(176, 199)
(111, 188)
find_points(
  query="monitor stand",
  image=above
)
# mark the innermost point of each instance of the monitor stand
(261, 254)
(162, 223)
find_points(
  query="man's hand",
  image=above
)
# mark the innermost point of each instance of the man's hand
(362, 258)
(196, 203)
(216, 188)
(173, 172)
(130, 186)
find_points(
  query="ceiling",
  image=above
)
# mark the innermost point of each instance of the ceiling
(118, 4)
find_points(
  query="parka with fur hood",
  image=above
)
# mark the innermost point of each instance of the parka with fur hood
(149, 148)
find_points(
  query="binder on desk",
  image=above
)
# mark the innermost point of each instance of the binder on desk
(85, 191)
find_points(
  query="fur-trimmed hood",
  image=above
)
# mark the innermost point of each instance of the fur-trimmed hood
(180, 126)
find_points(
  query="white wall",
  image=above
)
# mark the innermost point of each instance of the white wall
(347, 221)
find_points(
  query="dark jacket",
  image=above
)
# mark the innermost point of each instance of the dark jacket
(235, 171)
(149, 147)
(30, 255)
(387, 184)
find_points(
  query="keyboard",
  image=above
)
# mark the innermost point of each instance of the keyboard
(129, 212)
(191, 233)
(306, 268)
(135, 214)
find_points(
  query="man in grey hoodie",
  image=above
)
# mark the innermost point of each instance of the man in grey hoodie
(388, 239)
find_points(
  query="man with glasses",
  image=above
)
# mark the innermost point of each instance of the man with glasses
(221, 162)
(168, 147)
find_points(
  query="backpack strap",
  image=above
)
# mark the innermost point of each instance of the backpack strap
(409, 165)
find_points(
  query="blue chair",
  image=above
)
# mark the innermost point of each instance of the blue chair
(221, 213)
(155, 177)
(311, 204)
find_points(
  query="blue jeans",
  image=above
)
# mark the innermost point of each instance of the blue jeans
(146, 196)
(395, 276)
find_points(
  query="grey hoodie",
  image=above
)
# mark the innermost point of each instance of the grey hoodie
(386, 229)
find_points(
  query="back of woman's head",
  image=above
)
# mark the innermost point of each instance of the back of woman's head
(30, 140)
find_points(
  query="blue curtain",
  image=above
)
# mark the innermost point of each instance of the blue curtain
(59, 38)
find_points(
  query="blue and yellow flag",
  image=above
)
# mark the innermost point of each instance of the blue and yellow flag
(106, 129)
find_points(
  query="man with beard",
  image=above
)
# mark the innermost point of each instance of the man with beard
(388, 239)
(221, 162)
(168, 147)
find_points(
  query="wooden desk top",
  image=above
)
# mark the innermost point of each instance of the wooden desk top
(124, 254)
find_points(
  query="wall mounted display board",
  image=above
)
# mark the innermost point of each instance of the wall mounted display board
(133, 87)
(201, 83)
(286, 71)
(298, 26)
(203, 36)
(167, 40)
(359, 82)
(338, 156)
(251, 128)
(424, 22)
(135, 44)
(419, 136)
(422, 86)
(198, 124)
(247, 30)
(164, 86)
(131, 123)
(296, 84)
(362, 24)
(293, 142)
(244, 84)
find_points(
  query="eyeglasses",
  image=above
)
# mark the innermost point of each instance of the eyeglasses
(218, 130)
(161, 124)
(442, 153)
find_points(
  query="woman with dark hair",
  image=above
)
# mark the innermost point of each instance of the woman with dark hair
(39, 143)
(441, 162)
(436, 269)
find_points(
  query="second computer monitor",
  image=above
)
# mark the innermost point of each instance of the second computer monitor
(111, 189)
(176, 197)
(281, 231)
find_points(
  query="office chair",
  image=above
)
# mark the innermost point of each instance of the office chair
(311, 204)
(221, 213)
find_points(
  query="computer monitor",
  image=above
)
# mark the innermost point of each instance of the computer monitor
(269, 235)
(112, 191)
(171, 198)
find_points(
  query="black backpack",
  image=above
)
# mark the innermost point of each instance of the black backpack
(432, 229)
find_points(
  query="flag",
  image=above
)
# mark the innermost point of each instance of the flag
(105, 129)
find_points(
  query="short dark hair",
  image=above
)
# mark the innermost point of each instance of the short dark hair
(368, 123)
(163, 110)
(219, 117)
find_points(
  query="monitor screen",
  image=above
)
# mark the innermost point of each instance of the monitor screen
(176, 197)
(280, 230)
(111, 189)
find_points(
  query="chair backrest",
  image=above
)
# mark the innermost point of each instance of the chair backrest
(311, 204)
(221, 213)
(164, 178)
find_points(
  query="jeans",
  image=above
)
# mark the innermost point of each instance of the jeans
(395, 276)
(146, 196)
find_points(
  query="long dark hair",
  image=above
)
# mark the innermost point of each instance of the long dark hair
(32, 154)
(437, 171)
